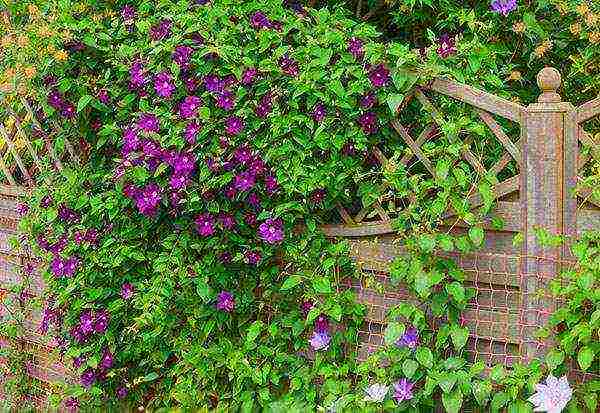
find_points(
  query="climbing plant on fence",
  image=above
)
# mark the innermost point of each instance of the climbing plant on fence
(185, 261)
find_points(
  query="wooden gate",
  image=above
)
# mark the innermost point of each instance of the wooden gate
(541, 191)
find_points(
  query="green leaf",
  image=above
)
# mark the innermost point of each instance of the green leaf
(459, 336)
(424, 356)
(499, 400)
(322, 285)
(481, 391)
(290, 282)
(83, 102)
(452, 401)
(253, 333)
(394, 101)
(393, 332)
(150, 376)
(554, 358)
(447, 382)
(497, 373)
(457, 291)
(585, 358)
(476, 235)
(409, 367)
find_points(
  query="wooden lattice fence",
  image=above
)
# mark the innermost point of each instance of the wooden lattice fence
(539, 172)
(541, 168)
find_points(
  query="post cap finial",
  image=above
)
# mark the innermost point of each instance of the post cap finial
(549, 81)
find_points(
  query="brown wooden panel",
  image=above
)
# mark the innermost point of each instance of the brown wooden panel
(481, 267)
(494, 325)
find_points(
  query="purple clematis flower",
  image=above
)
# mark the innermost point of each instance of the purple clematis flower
(234, 125)
(191, 132)
(289, 66)
(127, 291)
(271, 184)
(161, 31)
(213, 84)
(164, 85)
(225, 301)
(252, 257)
(137, 75)
(447, 46)
(107, 359)
(271, 231)
(22, 209)
(227, 221)
(101, 322)
(409, 339)
(72, 404)
(128, 14)
(46, 201)
(403, 390)
(88, 378)
(205, 224)
(122, 392)
(148, 122)
(189, 107)
(368, 100)
(249, 76)
(226, 100)
(320, 341)
(319, 112)
(148, 199)
(265, 106)
(259, 20)
(181, 56)
(368, 122)
(355, 48)
(504, 7)
(379, 76)
(244, 181)
(103, 96)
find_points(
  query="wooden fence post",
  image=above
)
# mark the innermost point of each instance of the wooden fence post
(548, 172)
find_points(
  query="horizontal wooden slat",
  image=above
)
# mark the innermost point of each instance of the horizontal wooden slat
(478, 98)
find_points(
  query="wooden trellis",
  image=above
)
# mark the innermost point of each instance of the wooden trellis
(512, 301)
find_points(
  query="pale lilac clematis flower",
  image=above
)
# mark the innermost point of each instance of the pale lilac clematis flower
(320, 340)
(403, 390)
(504, 7)
(553, 396)
(376, 393)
